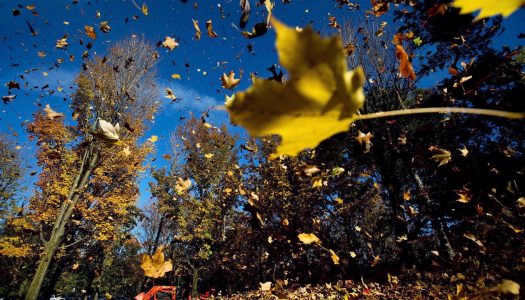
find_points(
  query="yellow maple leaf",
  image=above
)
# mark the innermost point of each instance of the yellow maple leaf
(229, 81)
(443, 156)
(319, 100)
(155, 266)
(309, 238)
(489, 8)
(317, 183)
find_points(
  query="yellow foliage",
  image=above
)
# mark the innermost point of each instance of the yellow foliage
(14, 247)
(319, 100)
(489, 8)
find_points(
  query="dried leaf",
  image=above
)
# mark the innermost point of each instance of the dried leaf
(182, 185)
(405, 67)
(170, 43)
(209, 28)
(90, 31)
(107, 132)
(229, 81)
(443, 156)
(246, 9)
(309, 238)
(51, 114)
(197, 29)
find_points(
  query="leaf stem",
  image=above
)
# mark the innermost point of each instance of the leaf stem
(443, 110)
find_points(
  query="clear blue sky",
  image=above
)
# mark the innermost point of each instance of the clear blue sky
(207, 58)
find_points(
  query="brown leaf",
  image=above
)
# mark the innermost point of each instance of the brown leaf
(104, 27)
(90, 31)
(405, 67)
(209, 28)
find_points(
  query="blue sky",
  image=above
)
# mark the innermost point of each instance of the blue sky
(207, 58)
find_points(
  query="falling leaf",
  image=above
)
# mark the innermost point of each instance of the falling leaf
(153, 139)
(320, 99)
(90, 31)
(317, 183)
(62, 43)
(170, 95)
(155, 266)
(269, 8)
(417, 41)
(332, 22)
(267, 286)
(311, 170)
(51, 114)
(443, 156)
(209, 28)
(258, 30)
(379, 7)
(175, 76)
(308, 238)
(488, 8)
(364, 138)
(377, 259)
(246, 9)
(104, 27)
(170, 43)
(464, 195)
(353, 254)
(338, 171)
(197, 29)
(507, 287)
(405, 67)
(182, 185)
(107, 132)
(521, 202)
(464, 151)
(333, 255)
(145, 9)
(339, 201)
(406, 195)
(229, 81)
(474, 239)
(209, 155)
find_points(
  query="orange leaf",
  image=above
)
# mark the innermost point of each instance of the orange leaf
(405, 67)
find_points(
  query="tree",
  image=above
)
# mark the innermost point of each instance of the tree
(89, 170)
(10, 174)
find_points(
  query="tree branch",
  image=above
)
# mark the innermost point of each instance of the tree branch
(443, 110)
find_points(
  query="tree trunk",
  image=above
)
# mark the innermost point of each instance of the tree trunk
(444, 242)
(59, 227)
(195, 282)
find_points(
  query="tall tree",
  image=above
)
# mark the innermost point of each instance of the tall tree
(89, 170)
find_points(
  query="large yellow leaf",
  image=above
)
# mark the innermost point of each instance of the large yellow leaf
(489, 8)
(155, 266)
(319, 100)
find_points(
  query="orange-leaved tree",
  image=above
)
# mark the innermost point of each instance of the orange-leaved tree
(87, 187)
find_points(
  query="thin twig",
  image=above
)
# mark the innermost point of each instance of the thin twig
(443, 110)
